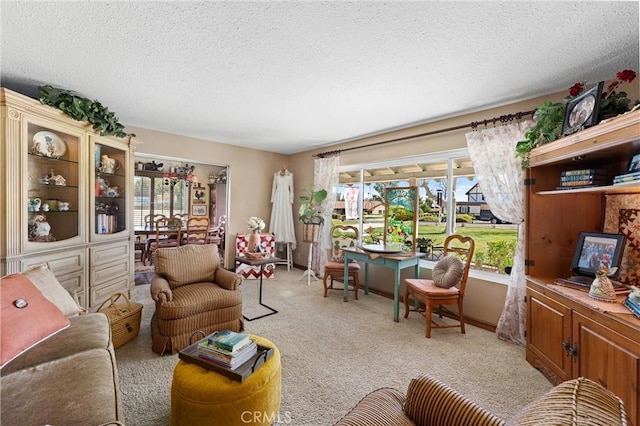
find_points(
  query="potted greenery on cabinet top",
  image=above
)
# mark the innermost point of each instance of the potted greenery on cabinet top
(549, 116)
(83, 109)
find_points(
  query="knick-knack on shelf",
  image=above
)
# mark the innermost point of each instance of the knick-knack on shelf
(602, 287)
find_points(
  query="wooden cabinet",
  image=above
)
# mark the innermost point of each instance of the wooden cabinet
(217, 202)
(567, 337)
(66, 198)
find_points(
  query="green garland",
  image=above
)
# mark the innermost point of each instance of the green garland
(83, 109)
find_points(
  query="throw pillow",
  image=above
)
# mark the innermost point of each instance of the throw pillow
(448, 272)
(44, 279)
(336, 251)
(27, 317)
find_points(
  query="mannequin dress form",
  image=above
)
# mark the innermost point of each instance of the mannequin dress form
(281, 222)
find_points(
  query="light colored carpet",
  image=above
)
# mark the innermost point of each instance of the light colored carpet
(334, 353)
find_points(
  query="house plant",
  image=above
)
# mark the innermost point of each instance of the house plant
(424, 244)
(550, 115)
(83, 109)
(309, 212)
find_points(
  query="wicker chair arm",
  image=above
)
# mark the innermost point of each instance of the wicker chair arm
(160, 290)
(431, 402)
(227, 279)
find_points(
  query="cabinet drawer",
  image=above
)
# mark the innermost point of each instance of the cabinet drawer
(62, 263)
(102, 292)
(100, 255)
(107, 272)
(74, 284)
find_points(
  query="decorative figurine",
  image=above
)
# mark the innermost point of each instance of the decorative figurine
(602, 287)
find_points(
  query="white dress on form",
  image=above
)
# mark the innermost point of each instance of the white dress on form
(281, 223)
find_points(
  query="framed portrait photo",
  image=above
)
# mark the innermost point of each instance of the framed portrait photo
(199, 210)
(582, 111)
(634, 163)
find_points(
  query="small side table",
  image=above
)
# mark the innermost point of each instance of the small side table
(261, 263)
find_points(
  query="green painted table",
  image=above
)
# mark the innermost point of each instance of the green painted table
(395, 261)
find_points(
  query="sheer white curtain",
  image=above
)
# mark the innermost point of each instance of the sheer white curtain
(325, 177)
(501, 180)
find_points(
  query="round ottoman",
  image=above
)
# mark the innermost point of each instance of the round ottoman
(202, 397)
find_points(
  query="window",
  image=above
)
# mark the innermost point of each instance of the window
(151, 195)
(450, 201)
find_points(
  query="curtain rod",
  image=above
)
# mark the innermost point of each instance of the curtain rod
(474, 125)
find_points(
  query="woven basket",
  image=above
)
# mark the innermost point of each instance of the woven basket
(124, 318)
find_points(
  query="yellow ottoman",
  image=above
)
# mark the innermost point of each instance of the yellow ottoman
(202, 397)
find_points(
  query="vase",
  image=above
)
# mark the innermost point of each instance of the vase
(254, 242)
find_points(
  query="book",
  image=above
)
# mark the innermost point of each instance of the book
(223, 354)
(591, 185)
(635, 309)
(585, 284)
(234, 361)
(582, 172)
(628, 175)
(228, 340)
(625, 179)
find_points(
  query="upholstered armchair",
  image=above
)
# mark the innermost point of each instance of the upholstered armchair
(192, 292)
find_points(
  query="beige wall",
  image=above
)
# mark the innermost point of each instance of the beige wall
(251, 172)
(249, 176)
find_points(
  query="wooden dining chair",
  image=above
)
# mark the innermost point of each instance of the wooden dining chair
(197, 231)
(341, 236)
(149, 225)
(447, 286)
(168, 233)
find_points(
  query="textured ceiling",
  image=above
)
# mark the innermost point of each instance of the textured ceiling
(290, 76)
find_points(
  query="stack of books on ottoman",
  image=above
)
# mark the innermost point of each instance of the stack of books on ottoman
(227, 349)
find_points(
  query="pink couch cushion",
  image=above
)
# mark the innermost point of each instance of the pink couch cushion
(27, 317)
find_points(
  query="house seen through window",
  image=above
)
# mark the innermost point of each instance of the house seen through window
(450, 201)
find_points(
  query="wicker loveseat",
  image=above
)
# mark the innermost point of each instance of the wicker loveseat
(192, 292)
(429, 402)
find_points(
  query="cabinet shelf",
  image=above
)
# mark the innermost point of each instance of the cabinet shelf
(53, 211)
(620, 188)
(51, 159)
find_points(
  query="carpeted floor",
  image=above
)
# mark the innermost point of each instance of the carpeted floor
(334, 353)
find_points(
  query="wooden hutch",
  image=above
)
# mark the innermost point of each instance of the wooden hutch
(567, 337)
(62, 177)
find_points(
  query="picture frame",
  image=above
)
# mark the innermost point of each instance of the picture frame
(634, 163)
(582, 111)
(198, 195)
(199, 210)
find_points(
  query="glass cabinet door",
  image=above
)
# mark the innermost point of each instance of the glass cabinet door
(53, 185)
(109, 188)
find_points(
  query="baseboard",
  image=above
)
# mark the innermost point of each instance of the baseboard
(467, 319)
(447, 313)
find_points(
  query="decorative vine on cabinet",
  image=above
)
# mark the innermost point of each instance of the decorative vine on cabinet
(567, 336)
(68, 199)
